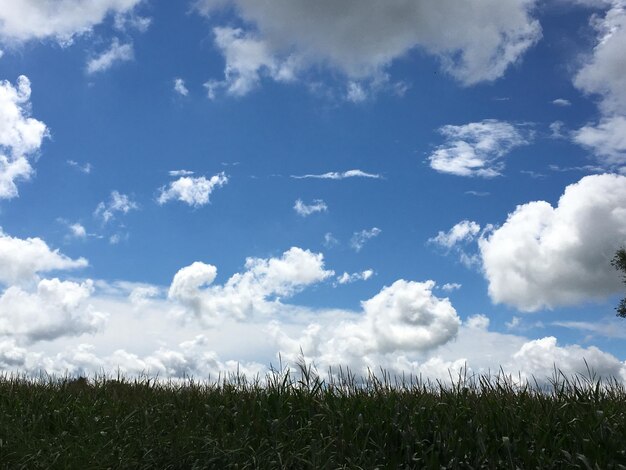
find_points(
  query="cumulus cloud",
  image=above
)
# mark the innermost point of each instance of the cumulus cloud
(141, 296)
(192, 358)
(60, 20)
(464, 231)
(604, 75)
(604, 72)
(55, 309)
(336, 175)
(457, 238)
(307, 209)
(118, 203)
(22, 260)
(257, 290)
(422, 335)
(248, 58)
(538, 358)
(192, 191)
(21, 136)
(179, 87)
(115, 53)
(607, 139)
(477, 148)
(474, 43)
(359, 239)
(451, 286)
(347, 278)
(78, 231)
(544, 256)
(404, 317)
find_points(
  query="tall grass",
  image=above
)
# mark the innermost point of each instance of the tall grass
(297, 420)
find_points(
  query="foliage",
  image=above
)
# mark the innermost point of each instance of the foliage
(619, 263)
(298, 421)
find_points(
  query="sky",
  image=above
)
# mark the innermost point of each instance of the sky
(200, 187)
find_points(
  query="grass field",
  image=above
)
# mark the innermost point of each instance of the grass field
(298, 421)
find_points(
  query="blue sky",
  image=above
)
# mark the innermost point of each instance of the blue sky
(189, 186)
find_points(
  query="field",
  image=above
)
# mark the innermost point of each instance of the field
(298, 421)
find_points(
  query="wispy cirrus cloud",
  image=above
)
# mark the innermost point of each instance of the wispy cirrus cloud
(338, 175)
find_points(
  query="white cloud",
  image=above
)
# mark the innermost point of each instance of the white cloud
(544, 256)
(248, 58)
(179, 87)
(477, 148)
(117, 238)
(307, 209)
(464, 231)
(608, 328)
(474, 43)
(192, 191)
(62, 19)
(404, 317)
(604, 73)
(77, 230)
(561, 102)
(190, 358)
(330, 240)
(335, 175)
(404, 329)
(359, 239)
(141, 296)
(479, 321)
(55, 309)
(258, 289)
(118, 203)
(539, 357)
(454, 240)
(356, 93)
(514, 323)
(471, 346)
(84, 168)
(346, 278)
(124, 22)
(114, 54)
(606, 139)
(175, 173)
(21, 260)
(451, 286)
(556, 130)
(20, 135)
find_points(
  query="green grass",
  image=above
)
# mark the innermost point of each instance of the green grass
(299, 421)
